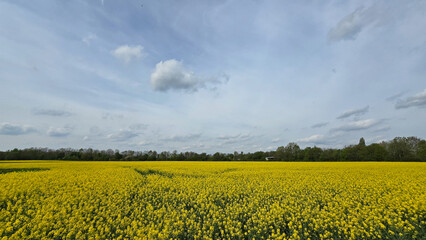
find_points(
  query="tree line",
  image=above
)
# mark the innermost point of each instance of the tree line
(399, 149)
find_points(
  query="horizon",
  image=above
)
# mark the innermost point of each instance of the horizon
(219, 76)
(209, 153)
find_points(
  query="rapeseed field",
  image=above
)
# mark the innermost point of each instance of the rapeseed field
(212, 200)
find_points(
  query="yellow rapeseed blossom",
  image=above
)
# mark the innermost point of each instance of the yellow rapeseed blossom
(212, 200)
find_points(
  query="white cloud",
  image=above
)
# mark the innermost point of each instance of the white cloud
(354, 112)
(350, 26)
(313, 139)
(128, 53)
(418, 100)
(274, 78)
(172, 74)
(59, 132)
(358, 125)
(15, 129)
(324, 140)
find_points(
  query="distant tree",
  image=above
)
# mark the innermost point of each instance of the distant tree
(152, 156)
(421, 151)
(312, 154)
(164, 156)
(398, 149)
(356, 152)
(86, 154)
(330, 155)
(180, 157)
(291, 152)
(117, 156)
(350, 153)
(203, 157)
(236, 156)
(377, 152)
(218, 157)
(280, 154)
(361, 142)
(401, 149)
(258, 156)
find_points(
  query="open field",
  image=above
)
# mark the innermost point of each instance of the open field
(210, 200)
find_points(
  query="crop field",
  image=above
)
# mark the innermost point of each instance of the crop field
(212, 200)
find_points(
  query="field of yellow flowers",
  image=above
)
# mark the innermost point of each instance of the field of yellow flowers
(211, 200)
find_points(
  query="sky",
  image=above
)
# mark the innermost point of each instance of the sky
(210, 76)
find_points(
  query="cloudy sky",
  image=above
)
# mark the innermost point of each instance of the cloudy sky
(210, 76)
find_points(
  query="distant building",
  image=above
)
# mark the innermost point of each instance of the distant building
(270, 158)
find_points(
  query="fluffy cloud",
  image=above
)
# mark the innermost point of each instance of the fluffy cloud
(15, 129)
(127, 53)
(52, 112)
(318, 139)
(358, 125)
(59, 132)
(418, 100)
(172, 74)
(354, 112)
(350, 26)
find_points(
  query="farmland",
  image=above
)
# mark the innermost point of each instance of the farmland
(212, 200)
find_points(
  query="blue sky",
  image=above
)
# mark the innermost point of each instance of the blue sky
(210, 76)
